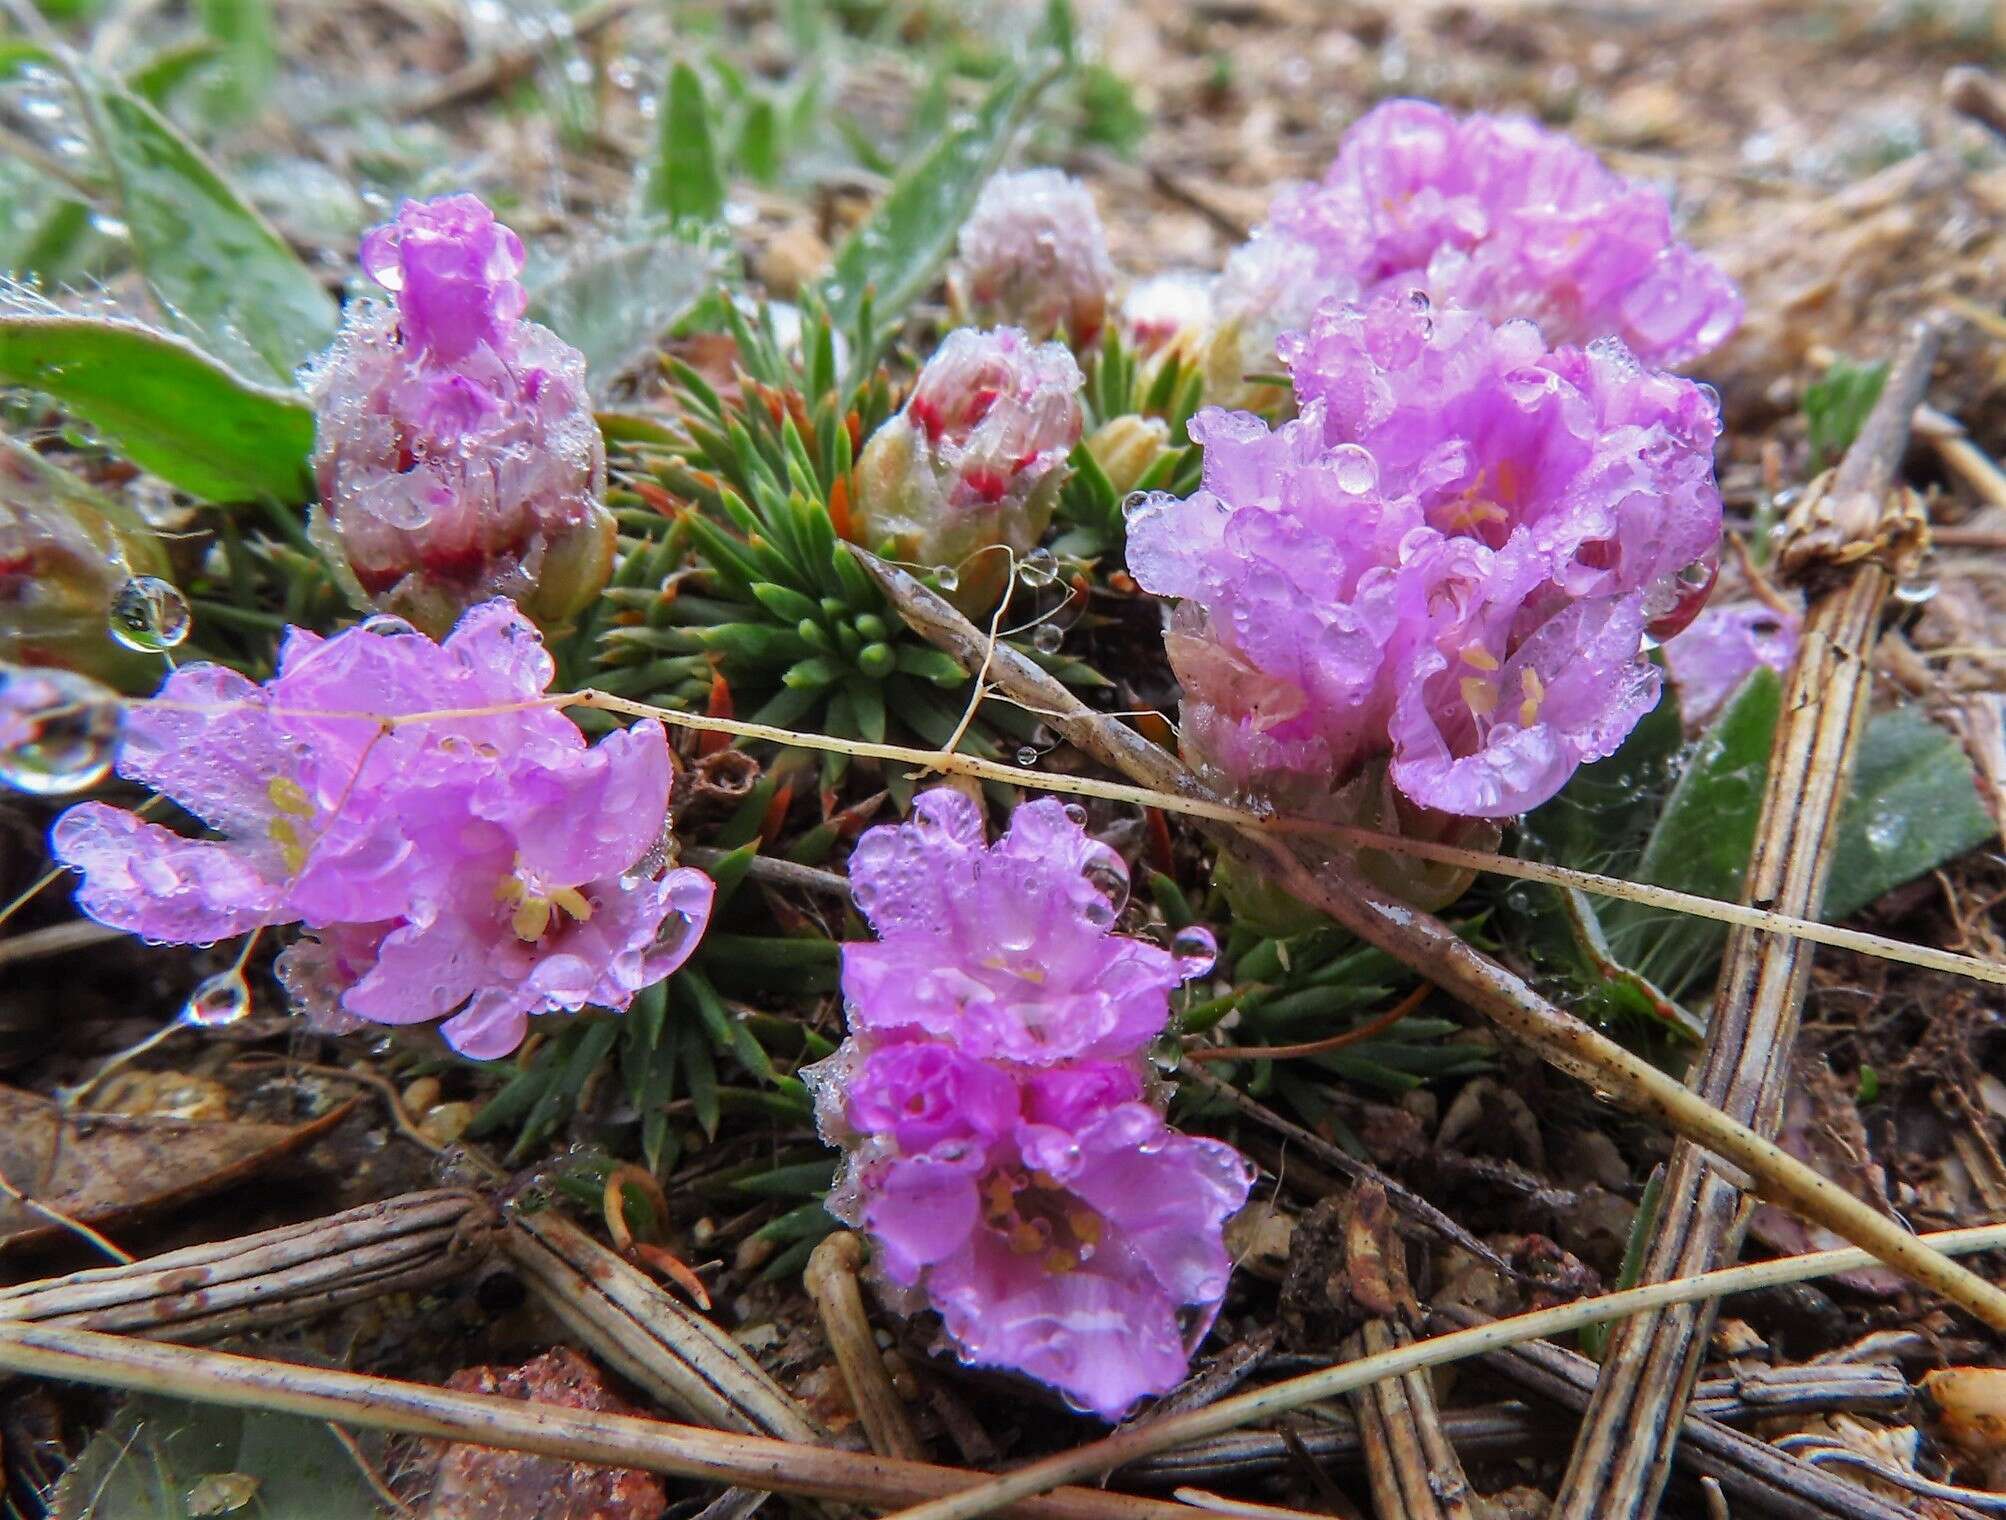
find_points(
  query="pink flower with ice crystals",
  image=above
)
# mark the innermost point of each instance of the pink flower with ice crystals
(480, 867)
(1448, 561)
(454, 443)
(1505, 217)
(1006, 1151)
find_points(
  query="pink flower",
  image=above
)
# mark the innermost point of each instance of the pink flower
(1033, 254)
(1447, 562)
(975, 460)
(455, 447)
(1005, 1150)
(1505, 217)
(1005, 949)
(477, 869)
(1724, 647)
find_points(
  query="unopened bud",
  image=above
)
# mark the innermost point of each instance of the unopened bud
(455, 448)
(975, 461)
(1034, 254)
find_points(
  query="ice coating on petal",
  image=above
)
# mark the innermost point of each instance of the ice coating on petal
(1723, 647)
(455, 447)
(1446, 563)
(1033, 254)
(480, 867)
(975, 460)
(1005, 1149)
(1502, 216)
(1005, 948)
(452, 268)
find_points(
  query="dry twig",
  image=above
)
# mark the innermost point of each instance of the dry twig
(1853, 538)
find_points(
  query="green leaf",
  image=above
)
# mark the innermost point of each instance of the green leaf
(1914, 804)
(1701, 841)
(222, 275)
(685, 182)
(162, 1459)
(615, 302)
(895, 254)
(1836, 406)
(250, 56)
(165, 405)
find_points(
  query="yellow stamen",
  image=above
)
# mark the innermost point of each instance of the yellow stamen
(572, 901)
(531, 918)
(1480, 696)
(1472, 514)
(1535, 693)
(510, 889)
(1480, 657)
(285, 834)
(288, 796)
(1026, 1239)
(1086, 1227)
(1060, 1262)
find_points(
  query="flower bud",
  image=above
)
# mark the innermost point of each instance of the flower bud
(1127, 447)
(1034, 254)
(975, 461)
(455, 447)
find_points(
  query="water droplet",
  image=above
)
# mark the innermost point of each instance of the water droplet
(1914, 593)
(1047, 637)
(1077, 814)
(1355, 469)
(1196, 950)
(218, 1000)
(58, 731)
(1028, 755)
(1418, 300)
(1519, 900)
(1107, 873)
(947, 579)
(149, 615)
(1040, 568)
(1134, 505)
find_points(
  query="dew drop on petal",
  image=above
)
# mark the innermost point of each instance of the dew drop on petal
(58, 731)
(148, 614)
(1195, 949)
(218, 1000)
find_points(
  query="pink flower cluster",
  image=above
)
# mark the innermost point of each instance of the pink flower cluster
(1448, 561)
(455, 447)
(1033, 254)
(1006, 1152)
(478, 867)
(1504, 217)
(975, 460)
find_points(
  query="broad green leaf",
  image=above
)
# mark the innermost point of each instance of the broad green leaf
(895, 255)
(1836, 406)
(685, 182)
(1914, 805)
(1701, 841)
(614, 303)
(165, 405)
(222, 276)
(163, 1459)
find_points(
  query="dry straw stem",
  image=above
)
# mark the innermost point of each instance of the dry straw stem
(684, 1361)
(1749, 1470)
(1434, 950)
(1751, 1036)
(1201, 804)
(278, 1277)
(1137, 1442)
(831, 1280)
(711, 1456)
